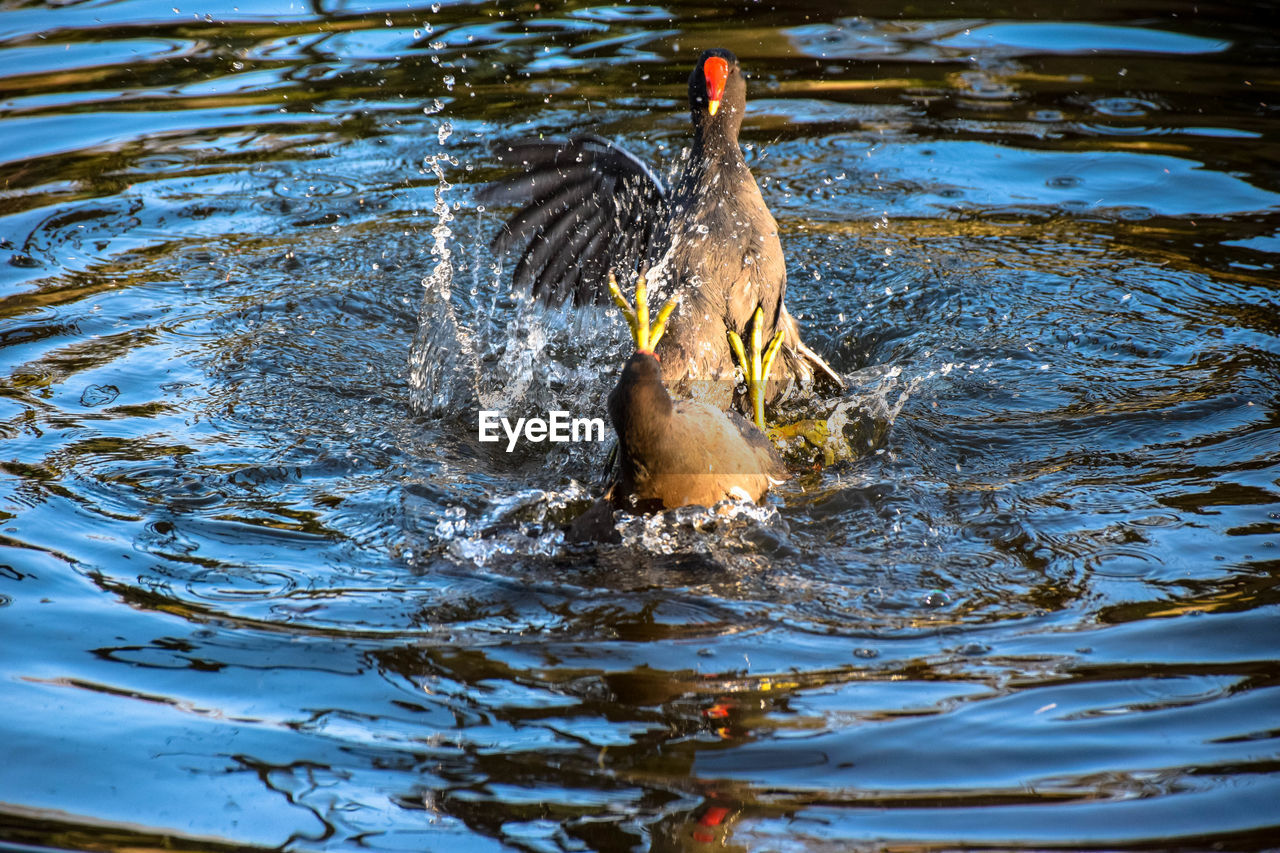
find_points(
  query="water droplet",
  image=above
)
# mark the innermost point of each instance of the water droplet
(936, 598)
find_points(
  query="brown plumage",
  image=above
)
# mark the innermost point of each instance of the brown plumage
(591, 206)
(673, 454)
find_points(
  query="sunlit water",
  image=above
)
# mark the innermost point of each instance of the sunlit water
(261, 586)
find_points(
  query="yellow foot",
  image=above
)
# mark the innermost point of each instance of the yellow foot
(817, 433)
(756, 368)
(645, 338)
(813, 431)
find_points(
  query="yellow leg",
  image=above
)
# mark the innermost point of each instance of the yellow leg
(757, 367)
(645, 337)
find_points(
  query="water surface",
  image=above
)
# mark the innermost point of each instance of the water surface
(261, 587)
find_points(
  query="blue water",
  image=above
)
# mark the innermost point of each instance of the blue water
(262, 587)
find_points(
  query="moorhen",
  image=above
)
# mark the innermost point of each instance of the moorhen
(591, 207)
(678, 453)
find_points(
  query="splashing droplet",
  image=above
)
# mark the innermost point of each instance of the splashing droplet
(936, 598)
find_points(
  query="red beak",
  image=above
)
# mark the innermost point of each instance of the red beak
(716, 70)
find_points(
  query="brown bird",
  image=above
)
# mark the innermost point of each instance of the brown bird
(590, 207)
(673, 453)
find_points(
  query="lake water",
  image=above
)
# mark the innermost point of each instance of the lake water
(261, 586)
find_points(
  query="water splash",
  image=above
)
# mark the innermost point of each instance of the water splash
(828, 431)
(524, 524)
(730, 528)
(442, 365)
(481, 346)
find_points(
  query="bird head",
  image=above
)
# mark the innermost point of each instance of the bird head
(716, 87)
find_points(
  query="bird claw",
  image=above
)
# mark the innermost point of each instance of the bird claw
(814, 432)
(646, 337)
(756, 368)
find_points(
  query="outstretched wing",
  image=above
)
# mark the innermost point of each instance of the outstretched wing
(588, 206)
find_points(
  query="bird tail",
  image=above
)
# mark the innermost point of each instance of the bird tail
(821, 367)
(806, 363)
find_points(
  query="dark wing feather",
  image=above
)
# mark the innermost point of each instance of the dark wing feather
(548, 256)
(588, 206)
(537, 214)
(560, 275)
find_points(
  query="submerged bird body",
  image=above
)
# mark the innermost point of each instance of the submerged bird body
(673, 454)
(591, 207)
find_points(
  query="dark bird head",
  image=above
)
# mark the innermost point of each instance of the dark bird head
(717, 92)
(639, 403)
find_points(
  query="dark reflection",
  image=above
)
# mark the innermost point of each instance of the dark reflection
(38, 829)
(650, 781)
(671, 782)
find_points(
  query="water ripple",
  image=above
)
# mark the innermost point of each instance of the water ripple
(248, 536)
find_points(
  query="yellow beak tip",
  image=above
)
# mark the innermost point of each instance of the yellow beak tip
(713, 106)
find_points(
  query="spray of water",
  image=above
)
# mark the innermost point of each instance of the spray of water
(480, 345)
(442, 364)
